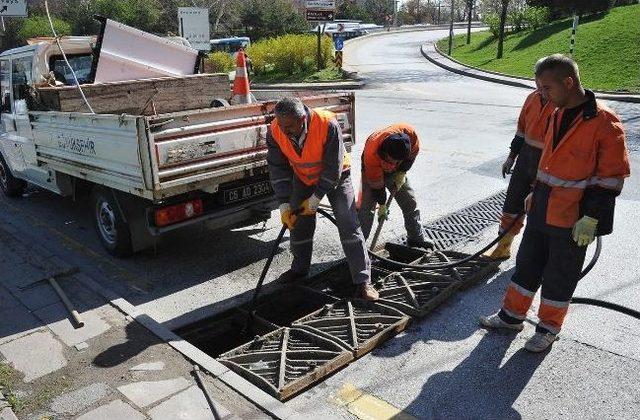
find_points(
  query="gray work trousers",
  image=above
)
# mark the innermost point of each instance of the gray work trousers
(406, 199)
(343, 203)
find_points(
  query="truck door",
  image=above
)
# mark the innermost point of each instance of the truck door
(22, 81)
(8, 141)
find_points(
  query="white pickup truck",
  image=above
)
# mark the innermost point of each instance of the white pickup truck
(147, 174)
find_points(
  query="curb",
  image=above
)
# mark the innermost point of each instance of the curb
(448, 63)
(355, 85)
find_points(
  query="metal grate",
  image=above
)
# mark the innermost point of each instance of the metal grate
(357, 325)
(286, 361)
(458, 228)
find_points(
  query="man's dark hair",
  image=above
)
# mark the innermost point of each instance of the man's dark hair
(561, 66)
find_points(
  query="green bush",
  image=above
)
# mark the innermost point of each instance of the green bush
(288, 54)
(39, 26)
(220, 62)
(493, 22)
(536, 17)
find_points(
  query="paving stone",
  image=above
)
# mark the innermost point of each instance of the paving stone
(190, 404)
(115, 410)
(146, 393)
(38, 297)
(7, 414)
(21, 275)
(79, 400)
(15, 320)
(149, 366)
(59, 321)
(35, 355)
(81, 346)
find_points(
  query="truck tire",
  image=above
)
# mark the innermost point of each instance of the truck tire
(111, 227)
(10, 185)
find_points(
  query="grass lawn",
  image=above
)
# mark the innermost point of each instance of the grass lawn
(607, 49)
(330, 74)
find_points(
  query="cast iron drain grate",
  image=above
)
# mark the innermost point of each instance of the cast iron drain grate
(286, 361)
(357, 325)
(458, 228)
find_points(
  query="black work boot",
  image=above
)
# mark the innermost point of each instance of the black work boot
(290, 277)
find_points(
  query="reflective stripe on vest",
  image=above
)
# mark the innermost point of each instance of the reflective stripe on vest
(554, 181)
(534, 143)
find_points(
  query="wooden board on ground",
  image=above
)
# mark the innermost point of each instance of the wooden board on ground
(139, 97)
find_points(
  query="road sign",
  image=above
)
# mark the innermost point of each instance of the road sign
(339, 43)
(320, 15)
(193, 23)
(13, 8)
(321, 4)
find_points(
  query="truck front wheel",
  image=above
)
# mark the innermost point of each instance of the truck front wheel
(10, 185)
(113, 230)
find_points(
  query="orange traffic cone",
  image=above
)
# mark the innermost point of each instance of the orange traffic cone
(241, 94)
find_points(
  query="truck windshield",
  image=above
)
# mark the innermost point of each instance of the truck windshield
(80, 63)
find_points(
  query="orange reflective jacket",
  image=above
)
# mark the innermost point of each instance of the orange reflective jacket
(374, 167)
(533, 119)
(592, 153)
(308, 165)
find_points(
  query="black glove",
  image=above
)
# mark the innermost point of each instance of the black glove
(380, 195)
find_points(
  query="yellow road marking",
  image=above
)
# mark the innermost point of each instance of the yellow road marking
(365, 406)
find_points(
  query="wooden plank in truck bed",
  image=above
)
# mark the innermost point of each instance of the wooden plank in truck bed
(139, 97)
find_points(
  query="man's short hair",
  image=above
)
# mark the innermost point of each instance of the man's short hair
(562, 66)
(290, 107)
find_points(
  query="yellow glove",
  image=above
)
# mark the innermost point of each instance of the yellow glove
(399, 179)
(287, 217)
(584, 231)
(310, 206)
(383, 213)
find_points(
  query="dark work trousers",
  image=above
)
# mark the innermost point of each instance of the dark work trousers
(524, 173)
(553, 261)
(406, 199)
(343, 203)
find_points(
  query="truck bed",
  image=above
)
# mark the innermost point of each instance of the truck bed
(157, 157)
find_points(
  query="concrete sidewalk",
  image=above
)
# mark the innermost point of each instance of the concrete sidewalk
(111, 368)
(431, 52)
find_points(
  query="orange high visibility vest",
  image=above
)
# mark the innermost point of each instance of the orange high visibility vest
(374, 167)
(593, 152)
(308, 166)
(533, 120)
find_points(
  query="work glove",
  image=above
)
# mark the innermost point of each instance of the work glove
(527, 203)
(507, 166)
(399, 179)
(584, 231)
(383, 213)
(287, 216)
(310, 205)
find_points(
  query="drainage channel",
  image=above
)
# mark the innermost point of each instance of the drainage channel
(301, 334)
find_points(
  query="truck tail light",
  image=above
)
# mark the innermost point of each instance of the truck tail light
(179, 212)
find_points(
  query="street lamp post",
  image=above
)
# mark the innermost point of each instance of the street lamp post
(469, 25)
(451, 27)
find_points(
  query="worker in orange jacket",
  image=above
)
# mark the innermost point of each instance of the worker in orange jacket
(307, 162)
(527, 148)
(388, 154)
(581, 172)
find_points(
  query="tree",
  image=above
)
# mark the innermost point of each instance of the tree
(562, 8)
(265, 18)
(503, 20)
(141, 14)
(352, 10)
(381, 11)
(417, 11)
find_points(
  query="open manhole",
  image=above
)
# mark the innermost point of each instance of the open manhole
(356, 325)
(225, 331)
(288, 304)
(287, 361)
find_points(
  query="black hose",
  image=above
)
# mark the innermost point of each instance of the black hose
(607, 305)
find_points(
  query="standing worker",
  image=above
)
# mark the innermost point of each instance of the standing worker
(526, 147)
(307, 160)
(581, 172)
(388, 155)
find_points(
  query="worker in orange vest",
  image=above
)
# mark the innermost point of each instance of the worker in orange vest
(307, 161)
(581, 172)
(527, 148)
(388, 154)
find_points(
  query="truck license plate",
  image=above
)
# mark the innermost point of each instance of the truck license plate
(247, 192)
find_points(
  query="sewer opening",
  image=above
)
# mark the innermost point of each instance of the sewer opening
(287, 305)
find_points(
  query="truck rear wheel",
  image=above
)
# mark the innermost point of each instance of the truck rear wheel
(113, 231)
(10, 185)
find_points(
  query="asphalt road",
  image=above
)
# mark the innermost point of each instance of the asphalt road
(444, 366)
